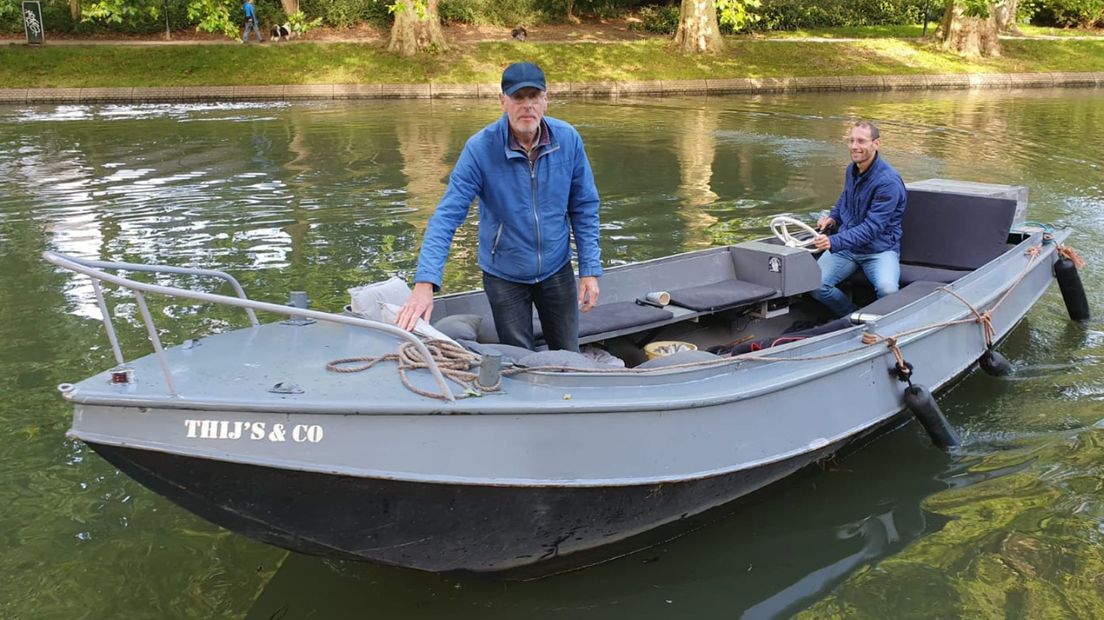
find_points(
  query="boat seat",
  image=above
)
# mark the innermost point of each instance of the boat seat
(946, 235)
(901, 298)
(720, 295)
(915, 273)
(614, 317)
(610, 318)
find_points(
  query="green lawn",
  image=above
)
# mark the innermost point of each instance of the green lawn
(347, 63)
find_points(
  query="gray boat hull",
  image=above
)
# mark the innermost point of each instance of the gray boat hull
(556, 465)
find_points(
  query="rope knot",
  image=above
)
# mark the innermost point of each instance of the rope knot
(1068, 252)
(871, 338)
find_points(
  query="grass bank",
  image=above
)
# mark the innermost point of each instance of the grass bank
(105, 65)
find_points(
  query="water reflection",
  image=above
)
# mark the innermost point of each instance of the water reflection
(324, 196)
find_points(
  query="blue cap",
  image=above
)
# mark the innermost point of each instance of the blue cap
(522, 75)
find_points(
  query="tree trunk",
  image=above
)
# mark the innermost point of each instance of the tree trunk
(290, 6)
(698, 32)
(1005, 13)
(410, 35)
(75, 10)
(970, 36)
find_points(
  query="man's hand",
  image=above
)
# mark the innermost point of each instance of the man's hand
(588, 293)
(822, 242)
(824, 223)
(418, 306)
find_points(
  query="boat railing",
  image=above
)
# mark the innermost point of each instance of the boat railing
(96, 271)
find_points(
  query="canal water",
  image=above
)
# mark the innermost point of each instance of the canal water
(324, 196)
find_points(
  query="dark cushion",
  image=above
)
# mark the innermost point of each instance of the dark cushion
(955, 231)
(901, 298)
(915, 273)
(460, 326)
(602, 319)
(620, 315)
(510, 354)
(720, 295)
(920, 273)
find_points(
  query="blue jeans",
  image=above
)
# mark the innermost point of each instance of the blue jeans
(882, 269)
(557, 302)
(251, 24)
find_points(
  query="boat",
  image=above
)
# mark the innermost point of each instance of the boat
(481, 462)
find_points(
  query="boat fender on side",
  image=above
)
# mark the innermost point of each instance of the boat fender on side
(1073, 293)
(922, 405)
(994, 364)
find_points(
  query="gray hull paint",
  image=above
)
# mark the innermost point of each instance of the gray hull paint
(709, 435)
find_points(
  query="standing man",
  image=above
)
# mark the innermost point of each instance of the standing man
(867, 217)
(536, 190)
(251, 22)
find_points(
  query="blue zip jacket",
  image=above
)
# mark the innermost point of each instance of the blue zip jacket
(250, 12)
(526, 215)
(870, 210)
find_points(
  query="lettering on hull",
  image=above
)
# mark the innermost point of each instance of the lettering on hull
(253, 431)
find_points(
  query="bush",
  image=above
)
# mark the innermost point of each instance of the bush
(802, 14)
(659, 19)
(345, 13)
(1069, 13)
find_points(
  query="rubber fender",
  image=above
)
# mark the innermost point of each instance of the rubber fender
(922, 405)
(1073, 293)
(994, 364)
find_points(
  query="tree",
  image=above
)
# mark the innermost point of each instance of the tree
(698, 30)
(290, 6)
(1006, 16)
(969, 27)
(417, 27)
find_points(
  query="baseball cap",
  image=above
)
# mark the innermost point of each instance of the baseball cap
(522, 75)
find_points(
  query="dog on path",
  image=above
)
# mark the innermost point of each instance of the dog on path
(281, 32)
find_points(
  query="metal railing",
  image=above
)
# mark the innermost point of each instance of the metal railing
(95, 270)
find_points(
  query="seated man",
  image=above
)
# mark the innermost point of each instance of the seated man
(867, 218)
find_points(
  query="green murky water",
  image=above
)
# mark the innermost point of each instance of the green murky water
(320, 197)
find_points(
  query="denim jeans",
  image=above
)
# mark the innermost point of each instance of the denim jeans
(557, 302)
(882, 269)
(251, 25)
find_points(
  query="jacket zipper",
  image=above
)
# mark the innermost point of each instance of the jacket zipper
(498, 237)
(536, 214)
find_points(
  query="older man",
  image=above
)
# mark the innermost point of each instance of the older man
(536, 190)
(867, 218)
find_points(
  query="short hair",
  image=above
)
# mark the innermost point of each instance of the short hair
(874, 133)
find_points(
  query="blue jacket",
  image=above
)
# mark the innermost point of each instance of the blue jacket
(526, 216)
(249, 10)
(870, 210)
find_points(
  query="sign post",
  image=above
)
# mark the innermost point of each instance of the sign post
(32, 23)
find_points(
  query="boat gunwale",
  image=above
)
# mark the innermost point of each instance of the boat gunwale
(555, 379)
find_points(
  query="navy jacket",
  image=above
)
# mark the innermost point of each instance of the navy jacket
(870, 210)
(527, 216)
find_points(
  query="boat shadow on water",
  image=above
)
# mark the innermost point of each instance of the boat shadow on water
(768, 555)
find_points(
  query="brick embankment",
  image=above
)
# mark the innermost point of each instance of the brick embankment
(139, 94)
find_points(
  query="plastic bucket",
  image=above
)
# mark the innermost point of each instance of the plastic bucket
(663, 348)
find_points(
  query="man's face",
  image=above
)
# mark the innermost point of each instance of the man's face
(525, 109)
(861, 146)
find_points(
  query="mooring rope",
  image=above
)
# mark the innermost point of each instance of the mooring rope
(456, 362)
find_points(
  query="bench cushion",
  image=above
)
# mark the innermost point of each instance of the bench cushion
(616, 316)
(604, 318)
(720, 295)
(901, 298)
